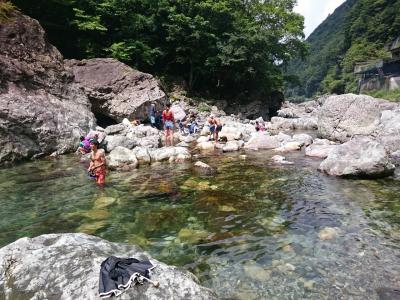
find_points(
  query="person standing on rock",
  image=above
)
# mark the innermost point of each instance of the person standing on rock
(215, 127)
(168, 120)
(152, 114)
(97, 165)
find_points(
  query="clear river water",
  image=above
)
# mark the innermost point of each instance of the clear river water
(252, 231)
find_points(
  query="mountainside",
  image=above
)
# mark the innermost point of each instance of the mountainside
(358, 30)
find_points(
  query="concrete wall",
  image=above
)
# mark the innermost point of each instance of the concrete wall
(379, 83)
(394, 83)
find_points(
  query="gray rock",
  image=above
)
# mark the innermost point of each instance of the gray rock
(117, 128)
(41, 109)
(172, 154)
(281, 160)
(122, 158)
(204, 168)
(179, 112)
(115, 89)
(318, 150)
(359, 157)
(344, 116)
(142, 154)
(262, 141)
(231, 146)
(289, 147)
(388, 131)
(67, 266)
(114, 141)
(303, 138)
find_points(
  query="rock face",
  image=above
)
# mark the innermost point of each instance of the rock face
(342, 117)
(116, 90)
(361, 157)
(67, 266)
(41, 109)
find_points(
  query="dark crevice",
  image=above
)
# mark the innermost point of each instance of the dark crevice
(103, 120)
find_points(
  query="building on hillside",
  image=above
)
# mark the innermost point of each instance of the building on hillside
(380, 74)
(395, 49)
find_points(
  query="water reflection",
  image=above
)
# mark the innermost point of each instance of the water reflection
(254, 230)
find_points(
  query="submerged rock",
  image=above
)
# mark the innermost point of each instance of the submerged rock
(115, 89)
(359, 157)
(203, 168)
(278, 159)
(67, 266)
(328, 233)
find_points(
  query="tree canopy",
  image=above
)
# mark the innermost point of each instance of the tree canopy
(224, 47)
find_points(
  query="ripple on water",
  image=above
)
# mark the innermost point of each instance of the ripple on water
(252, 231)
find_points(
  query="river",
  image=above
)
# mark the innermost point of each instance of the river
(252, 231)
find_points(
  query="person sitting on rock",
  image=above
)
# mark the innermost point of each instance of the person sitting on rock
(84, 145)
(259, 126)
(97, 167)
(168, 120)
(181, 127)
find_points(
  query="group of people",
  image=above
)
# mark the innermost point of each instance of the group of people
(90, 144)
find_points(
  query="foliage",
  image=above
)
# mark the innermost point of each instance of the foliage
(393, 95)
(5, 9)
(357, 31)
(222, 47)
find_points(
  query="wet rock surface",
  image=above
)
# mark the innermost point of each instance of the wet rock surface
(67, 266)
(115, 89)
(41, 109)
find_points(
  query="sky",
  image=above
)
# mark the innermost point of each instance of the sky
(315, 11)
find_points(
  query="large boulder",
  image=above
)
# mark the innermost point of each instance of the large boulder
(67, 266)
(388, 131)
(122, 158)
(41, 109)
(115, 89)
(344, 116)
(359, 157)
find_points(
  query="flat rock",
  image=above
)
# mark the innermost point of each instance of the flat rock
(67, 266)
(262, 141)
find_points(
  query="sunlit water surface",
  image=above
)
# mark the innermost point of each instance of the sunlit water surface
(252, 231)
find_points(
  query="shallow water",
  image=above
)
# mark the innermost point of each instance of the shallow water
(252, 231)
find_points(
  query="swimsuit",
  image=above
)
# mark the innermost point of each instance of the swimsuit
(100, 173)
